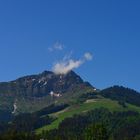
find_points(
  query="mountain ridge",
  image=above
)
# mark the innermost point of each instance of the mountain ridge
(35, 88)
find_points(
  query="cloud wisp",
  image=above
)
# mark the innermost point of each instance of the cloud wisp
(57, 46)
(66, 65)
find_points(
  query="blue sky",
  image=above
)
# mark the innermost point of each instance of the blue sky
(110, 30)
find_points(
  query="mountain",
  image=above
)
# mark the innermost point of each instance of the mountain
(34, 92)
(50, 106)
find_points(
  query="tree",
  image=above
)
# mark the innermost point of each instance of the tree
(96, 132)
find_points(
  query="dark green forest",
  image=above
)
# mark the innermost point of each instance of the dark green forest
(99, 124)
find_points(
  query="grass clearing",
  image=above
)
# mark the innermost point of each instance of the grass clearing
(87, 106)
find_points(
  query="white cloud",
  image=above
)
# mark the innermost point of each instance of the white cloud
(57, 46)
(67, 64)
(88, 56)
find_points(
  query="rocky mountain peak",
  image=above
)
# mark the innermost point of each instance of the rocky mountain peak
(42, 84)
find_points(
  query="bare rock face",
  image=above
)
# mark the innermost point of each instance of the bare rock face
(42, 84)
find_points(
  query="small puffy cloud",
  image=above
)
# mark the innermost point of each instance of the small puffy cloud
(57, 46)
(88, 56)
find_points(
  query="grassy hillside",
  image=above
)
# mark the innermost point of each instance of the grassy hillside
(84, 107)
